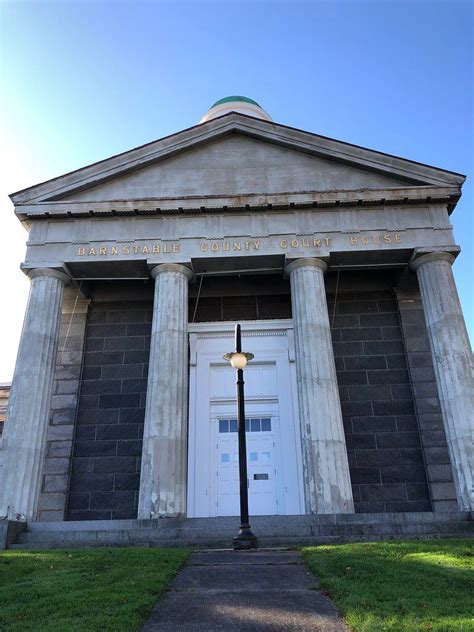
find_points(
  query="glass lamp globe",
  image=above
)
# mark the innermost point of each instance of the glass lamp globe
(238, 361)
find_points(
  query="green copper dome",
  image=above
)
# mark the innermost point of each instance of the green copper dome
(238, 104)
(235, 98)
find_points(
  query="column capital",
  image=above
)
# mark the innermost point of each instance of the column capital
(306, 262)
(34, 273)
(171, 267)
(432, 256)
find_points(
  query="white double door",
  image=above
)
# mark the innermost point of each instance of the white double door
(262, 438)
(273, 438)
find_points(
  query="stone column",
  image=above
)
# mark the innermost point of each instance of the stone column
(452, 359)
(325, 465)
(163, 471)
(28, 414)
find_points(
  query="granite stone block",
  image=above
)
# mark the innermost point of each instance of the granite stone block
(362, 333)
(396, 362)
(122, 371)
(98, 416)
(389, 376)
(112, 500)
(398, 440)
(123, 343)
(58, 449)
(116, 465)
(96, 358)
(117, 431)
(384, 347)
(357, 363)
(351, 377)
(374, 424)
(124, 400)
(92, 482)
(371, 393)
(55, 482)
(103, 386)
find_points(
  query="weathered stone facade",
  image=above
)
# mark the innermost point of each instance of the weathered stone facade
(241, 219)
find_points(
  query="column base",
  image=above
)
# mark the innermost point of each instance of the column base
(245, 540)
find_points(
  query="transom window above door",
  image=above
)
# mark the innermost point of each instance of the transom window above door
(253, 424)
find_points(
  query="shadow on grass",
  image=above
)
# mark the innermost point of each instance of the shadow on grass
(399, 586)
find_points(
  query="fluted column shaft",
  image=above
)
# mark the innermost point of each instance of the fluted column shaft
(163, 471)
(325, 465)
(452, 359)
(28, 414)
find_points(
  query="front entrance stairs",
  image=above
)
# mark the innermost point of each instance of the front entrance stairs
(272, 531)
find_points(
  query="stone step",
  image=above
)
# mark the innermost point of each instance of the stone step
(229, 522)
(218, 532)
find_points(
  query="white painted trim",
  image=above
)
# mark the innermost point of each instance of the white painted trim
(282, 356)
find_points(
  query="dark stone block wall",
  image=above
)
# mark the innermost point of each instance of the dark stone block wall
(232, 298)
(383, 442)
(108, 441)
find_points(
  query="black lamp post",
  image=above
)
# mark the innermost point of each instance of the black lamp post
(245, 539)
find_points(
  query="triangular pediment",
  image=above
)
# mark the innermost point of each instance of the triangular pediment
(233, 166)
(230, 157)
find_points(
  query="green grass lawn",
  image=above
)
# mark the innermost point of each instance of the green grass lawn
(86, 590)
(399, 586)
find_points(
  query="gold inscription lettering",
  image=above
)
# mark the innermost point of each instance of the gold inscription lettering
(283, 243)
(247, 245)
(114, 250)
(145, 250)
(305, 243)
(328, 241)
(317, 243)
(156, 249)
(365, 240)
(397, 238)
(81, 251)
(165, 249)
(354, 241)
(237, 245)
(376, 239)
(294, 243)
(214, 247)
(126, 250)
(203, 247)
(226, 246)
(387, 239)
(92, 252)
(256, 244)
(102, 250)
(176, 247)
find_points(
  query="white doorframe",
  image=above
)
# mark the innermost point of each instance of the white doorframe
(277, 348)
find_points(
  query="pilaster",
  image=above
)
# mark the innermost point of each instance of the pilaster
(64, 402)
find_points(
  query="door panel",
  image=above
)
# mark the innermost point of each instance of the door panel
(261, 467)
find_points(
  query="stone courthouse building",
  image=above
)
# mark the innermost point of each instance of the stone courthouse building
(335, 259)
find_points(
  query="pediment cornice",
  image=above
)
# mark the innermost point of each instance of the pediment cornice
(58, 189)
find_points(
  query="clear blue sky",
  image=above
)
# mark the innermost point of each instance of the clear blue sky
(84, 80)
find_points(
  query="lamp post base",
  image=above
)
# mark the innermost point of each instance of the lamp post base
(245, 539)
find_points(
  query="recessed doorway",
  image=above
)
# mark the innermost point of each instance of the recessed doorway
(273, 437)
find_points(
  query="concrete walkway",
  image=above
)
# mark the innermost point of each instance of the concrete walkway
(245, 591)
